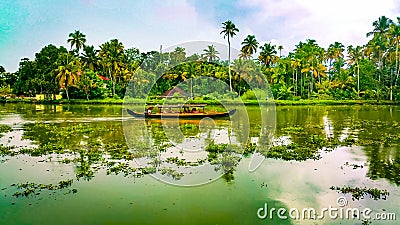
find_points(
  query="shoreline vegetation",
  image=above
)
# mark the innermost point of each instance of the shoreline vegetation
(307, 74)
(112, 101)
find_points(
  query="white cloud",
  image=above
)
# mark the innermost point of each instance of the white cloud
(147, 25)
(291, 21)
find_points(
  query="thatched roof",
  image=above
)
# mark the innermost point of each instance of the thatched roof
(171, 92)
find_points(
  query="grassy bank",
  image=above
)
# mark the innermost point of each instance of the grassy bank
(201, 101)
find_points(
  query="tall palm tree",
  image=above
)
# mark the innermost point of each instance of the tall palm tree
(395, 34)
(295, 64)
(68, 70)
(89, 57)
(355, 56)
(381, 26)
(77, 39)
(250, 45)
(280, 48)
(268, 54)
(112, 56)
(335, 55)
(210, 53)
(229, 30)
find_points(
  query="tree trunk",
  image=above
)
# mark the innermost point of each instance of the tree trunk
(229, 64)
(66, 91)
(87, 94)
(358, 79)
(397, 63)
(191, 87)
(296, 83)
(113, 86)
(293, 81)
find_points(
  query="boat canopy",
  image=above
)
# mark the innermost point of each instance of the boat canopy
(181, 106)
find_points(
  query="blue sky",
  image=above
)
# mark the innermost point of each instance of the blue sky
(27, 26)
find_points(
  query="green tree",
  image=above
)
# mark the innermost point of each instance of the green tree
(87, 82)
(68, 71)
(112, 58)
(249, 46)
(89, 58)
(77, 39)
(268, 54)
(229, 30)
(210, 53)
(280, 48)
(355, 55)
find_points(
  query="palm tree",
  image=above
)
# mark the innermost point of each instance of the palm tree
(335, 55)
(268, 54)
(112, 55)
(395, 34)
(280, 48)
(77, 39)
(89, 57)
(295, 64)
(381, 26)
(229, 30)
(210, 53)
(250, 45)
(68, 71)
(355, 56)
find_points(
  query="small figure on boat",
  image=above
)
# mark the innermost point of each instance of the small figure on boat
(148, 111)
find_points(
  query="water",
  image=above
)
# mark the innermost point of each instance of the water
(232, 199)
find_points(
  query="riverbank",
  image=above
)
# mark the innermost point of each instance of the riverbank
(208, 102)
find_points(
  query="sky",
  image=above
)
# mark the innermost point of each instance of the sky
(26, 26)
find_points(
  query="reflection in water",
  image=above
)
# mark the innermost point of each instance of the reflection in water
(95, 144)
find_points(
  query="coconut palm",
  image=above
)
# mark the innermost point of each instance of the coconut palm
(229, 30)
(381, 26)
(268, 54)
(395, 35)
(112, 56)
(77, 39)
(89, 57)
(280, 48)
(249, 46)
(335, 56)
(68, 71)
(210, 53)
(355, 55)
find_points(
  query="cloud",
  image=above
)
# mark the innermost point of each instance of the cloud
(291, 21)
(26, 27)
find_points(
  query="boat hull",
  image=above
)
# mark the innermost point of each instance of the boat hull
(181, 115)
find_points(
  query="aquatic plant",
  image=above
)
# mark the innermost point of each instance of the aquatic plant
(172, 173)
(29, 189)
(124, 168)
(4, 129)
(358, 193)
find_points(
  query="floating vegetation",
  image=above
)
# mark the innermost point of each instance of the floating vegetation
(4, 129)
(6, 150)
(28, 189)
(293, 130)
(177, 161)
(359, 193)
(309, 149)
(123, 168)
(355, 166)
(172, 173)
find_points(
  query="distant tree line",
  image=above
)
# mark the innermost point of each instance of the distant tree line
(309, 71)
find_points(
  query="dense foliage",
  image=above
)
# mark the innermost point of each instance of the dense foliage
(310, 71)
